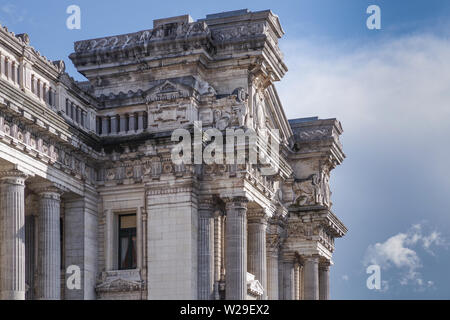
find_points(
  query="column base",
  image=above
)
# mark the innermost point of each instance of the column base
(12, 295)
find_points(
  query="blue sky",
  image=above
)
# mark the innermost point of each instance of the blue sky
(390, 88)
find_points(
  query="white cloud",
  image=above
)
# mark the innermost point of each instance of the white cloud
(401, 82)
(345, 277)
(398, 252)
(394, 93)
(393, 252)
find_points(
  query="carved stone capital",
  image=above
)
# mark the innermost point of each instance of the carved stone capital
(257, 216)
(324, 265)
(238, 202)
(47, 190)
(288, 256)
(206, 207)
(12, 176)
(310, 258)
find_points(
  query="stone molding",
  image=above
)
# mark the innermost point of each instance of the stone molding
(48, 190)
(13, 176)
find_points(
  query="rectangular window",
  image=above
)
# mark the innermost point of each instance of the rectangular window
(127, 242)
(6, 68)
(38, 89)
(13, 72)
(67, 107)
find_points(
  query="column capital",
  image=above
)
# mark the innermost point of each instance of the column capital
(47, 190)
(324, 265)
(257, 215)
(236, 202)
(206, 203)
(12, 176)
(310, 258)
(288, 256)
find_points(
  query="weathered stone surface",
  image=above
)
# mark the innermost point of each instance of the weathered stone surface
(107, 145)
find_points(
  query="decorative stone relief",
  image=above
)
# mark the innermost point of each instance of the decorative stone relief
(313, 191)
(142, 38)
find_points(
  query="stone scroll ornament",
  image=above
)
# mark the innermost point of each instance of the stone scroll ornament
(142, 38)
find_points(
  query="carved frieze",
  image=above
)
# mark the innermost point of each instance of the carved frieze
(315, 190)
(238, 32)
(143, 38)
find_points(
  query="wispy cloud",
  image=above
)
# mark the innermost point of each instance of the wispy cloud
(397, 83)
(400, 252)
(11, 14)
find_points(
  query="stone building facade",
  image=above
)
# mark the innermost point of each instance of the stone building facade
(92, 205)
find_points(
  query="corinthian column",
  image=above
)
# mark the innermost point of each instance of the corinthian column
(272, 273)
(205, 250)
(236, 249)
(257, 261)
(12, 235)
(311, 280)
(324, 281)
(49, 258)
(217, 253)
(288, 276)
(297, 281)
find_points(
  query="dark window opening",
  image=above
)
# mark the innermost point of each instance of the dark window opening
(127, 242)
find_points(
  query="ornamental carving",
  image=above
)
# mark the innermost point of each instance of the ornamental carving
(238, 32)
(314, 190)
(143, 38)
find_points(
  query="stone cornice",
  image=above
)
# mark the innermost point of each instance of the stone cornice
(45, 121)
(12, 175)
(317, 138)
(179, 37)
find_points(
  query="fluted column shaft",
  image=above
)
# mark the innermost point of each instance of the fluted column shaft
(49, 259)
(297, 281)
(30, 237)
(205, 250)
(272, 274)
(236, 249)
(217, 254)
(288, 278)
(12, 235)
(257, 261)
(311, 280)
(324, 281)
